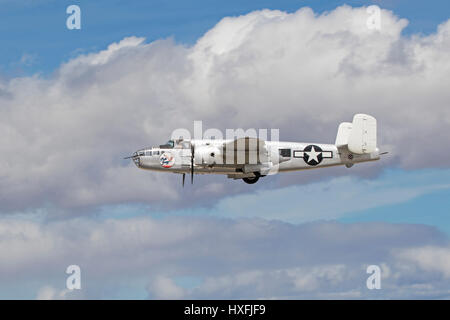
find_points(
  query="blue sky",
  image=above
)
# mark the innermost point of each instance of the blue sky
(79, 104)
(36, 29)
(430, 209)
(395, 196)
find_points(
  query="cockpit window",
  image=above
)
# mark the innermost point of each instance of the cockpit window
(141, 153)
(169, 145)
(148, 153)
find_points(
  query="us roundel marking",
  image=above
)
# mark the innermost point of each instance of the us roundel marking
(312, 155)
(166, 160)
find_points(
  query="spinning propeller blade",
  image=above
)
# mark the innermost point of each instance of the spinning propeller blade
(192, 163)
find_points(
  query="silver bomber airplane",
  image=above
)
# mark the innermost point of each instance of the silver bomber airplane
(250, 158)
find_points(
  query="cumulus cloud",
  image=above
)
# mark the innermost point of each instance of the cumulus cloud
(51, 293)
(228, 258)
(429, 258)
(48, 293)
(63, 137)
(165, 288)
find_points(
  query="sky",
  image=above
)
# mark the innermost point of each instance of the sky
(73, 103)
(36, 40)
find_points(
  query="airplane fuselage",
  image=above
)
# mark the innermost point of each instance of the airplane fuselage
(287, 156)
(250, 158)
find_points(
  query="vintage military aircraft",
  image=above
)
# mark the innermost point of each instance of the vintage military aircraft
(250, 158)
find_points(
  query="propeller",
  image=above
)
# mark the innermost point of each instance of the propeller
(192, 163)
(192, 166)
(130, 157)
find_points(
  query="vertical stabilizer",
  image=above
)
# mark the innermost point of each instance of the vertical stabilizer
(343, 134)
(363, 135)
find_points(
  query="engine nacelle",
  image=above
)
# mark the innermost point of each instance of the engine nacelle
(207, 155)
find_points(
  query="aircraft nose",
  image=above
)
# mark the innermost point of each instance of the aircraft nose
(136, 159)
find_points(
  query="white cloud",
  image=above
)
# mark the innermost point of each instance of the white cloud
(429, 258)
(325, 281)
(230, 259)
(51, 293)
(47, 293)
(165, 288)
(65, 136)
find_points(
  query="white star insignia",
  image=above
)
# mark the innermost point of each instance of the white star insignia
(312, 155)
